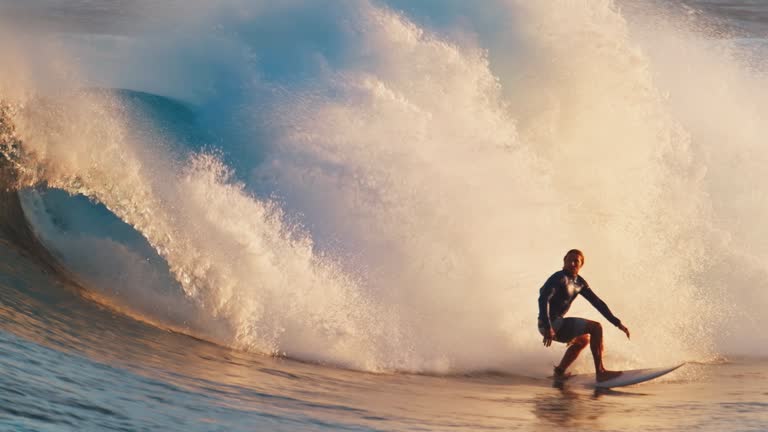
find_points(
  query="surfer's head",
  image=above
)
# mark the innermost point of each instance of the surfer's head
(573, 261)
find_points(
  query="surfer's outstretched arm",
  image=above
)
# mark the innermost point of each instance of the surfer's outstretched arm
(600, 305)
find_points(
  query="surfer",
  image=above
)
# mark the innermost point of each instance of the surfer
(555, 298)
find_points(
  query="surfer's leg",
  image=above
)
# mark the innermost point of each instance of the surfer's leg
(575, 346)
(572, 331)
(595, 331)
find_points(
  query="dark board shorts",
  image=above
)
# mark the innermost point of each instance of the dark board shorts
(567, 328)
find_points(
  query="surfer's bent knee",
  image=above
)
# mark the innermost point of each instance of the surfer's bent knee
(594, 326)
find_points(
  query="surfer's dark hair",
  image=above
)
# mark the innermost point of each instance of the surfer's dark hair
(577, 252)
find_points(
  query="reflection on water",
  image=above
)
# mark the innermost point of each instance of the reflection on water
(573, 407)
(565, 408)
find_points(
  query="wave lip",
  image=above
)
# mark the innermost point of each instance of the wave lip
(14, 226)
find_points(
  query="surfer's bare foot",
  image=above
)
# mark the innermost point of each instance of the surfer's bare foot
(606, 375)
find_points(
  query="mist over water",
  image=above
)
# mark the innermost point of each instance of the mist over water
(391, 184)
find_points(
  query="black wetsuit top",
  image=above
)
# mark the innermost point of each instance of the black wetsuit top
(559, 291)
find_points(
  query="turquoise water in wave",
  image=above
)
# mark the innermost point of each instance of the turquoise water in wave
(335, 215)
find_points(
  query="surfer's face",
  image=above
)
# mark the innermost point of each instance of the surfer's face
(572, 263)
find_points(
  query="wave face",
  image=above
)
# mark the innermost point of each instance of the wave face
(385, 186)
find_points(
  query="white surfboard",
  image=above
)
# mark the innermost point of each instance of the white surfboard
(627, 377)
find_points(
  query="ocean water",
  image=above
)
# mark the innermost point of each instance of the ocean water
(336, 215)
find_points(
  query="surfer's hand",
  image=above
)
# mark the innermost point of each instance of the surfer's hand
(624, 328)
(548, 337)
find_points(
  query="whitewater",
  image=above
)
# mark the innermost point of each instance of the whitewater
(336, 215)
